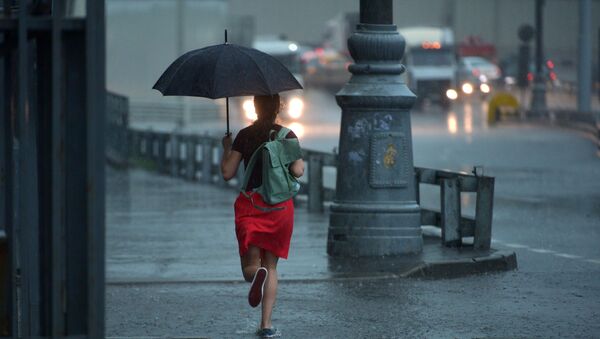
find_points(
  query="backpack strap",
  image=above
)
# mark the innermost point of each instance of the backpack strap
(250, 167)
(247, 174)
(283, 132)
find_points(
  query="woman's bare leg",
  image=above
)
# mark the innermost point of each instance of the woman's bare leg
(250, 262)
(269, 261)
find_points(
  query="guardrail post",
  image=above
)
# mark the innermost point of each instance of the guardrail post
(207, 160)
(162, 152)
(450, 201)
(143, 144)
(315, 183)
(174, 159)
(134, 145)
(190, 158)
(153, 147)
(148, 146)
(220, 180)
(417, 185)
(483, 213)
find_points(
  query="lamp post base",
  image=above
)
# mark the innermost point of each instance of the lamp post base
(357, 230)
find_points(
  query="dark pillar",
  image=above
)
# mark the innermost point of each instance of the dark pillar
(52, 110)
(375, 210)
(584, 64)
(538, 100)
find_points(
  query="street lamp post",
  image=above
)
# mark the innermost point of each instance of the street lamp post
(375, 211)
(538, 100)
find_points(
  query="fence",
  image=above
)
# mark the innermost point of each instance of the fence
(453, 224)
(196, 157)
(117, 122)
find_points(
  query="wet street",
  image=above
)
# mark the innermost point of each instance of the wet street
(167, 277)
(548, 176)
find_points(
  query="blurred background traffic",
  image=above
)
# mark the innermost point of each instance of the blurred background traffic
(457, 51)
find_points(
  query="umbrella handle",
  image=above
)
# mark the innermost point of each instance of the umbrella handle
(227, 106)
(227, 99)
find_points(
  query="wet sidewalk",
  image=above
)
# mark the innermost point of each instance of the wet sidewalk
(166, 230)
(173, 272)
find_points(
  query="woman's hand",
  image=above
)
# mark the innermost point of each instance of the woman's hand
(297, 168)
(227, 141)
(230, 160)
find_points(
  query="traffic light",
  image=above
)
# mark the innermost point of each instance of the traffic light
(525, 33)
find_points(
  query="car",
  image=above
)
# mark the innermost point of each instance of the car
(325, 68)
(288, 53)
(476, 74)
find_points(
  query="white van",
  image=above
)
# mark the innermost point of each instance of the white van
(431, 64)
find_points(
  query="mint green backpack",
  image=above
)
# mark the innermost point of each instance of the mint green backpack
(278, 184)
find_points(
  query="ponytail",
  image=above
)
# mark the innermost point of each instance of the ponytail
(267, 108)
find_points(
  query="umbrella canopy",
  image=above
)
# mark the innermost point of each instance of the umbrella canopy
(225, 70)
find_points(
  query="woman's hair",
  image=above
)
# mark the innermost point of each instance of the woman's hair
(267, 108)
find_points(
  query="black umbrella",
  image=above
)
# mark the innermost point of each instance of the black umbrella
(223, 71)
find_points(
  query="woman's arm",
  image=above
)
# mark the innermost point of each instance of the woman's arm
(230, 160)
(297, 168)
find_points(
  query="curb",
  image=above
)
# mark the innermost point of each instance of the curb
(240, 281)
(496, 262)
(499, 261)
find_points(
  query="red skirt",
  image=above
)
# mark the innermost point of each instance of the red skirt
(270, 230)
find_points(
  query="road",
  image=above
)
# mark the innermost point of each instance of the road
(547, 209)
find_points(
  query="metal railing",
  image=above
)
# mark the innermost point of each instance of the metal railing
(449, 218)
(196, 157)
(117, 124)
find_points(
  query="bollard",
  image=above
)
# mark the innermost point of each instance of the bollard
(190, 158)
(315, 183)
(207, 160)
(174, 156)
(450, 201)
(483, 213)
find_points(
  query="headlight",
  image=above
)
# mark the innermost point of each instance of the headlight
(295, 107)
(249, 109)
(297, 128)
(467, 88)
(484, 88)
(451, 94)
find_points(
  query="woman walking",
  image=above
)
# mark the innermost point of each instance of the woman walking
(263, 234)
